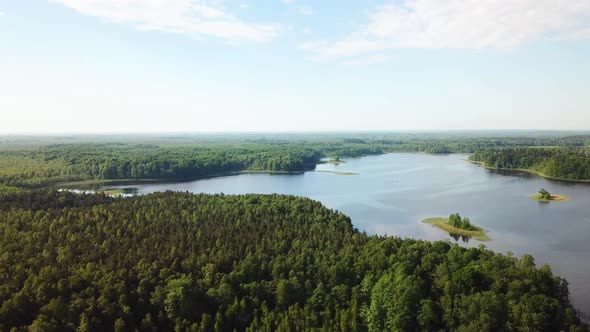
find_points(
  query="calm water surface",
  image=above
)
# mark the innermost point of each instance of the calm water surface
(393, 192)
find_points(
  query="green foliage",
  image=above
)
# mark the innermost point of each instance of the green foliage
(457, 221)
(544, 194)
(563, 163)
(178, 261)
(45, 165)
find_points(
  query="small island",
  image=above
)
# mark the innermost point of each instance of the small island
(334, 161)
(112, 192)
(458, 225)
(544, 196)
(338, 172)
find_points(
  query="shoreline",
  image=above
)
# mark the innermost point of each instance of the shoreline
(103, 182)
(483, 164)
(106, 182)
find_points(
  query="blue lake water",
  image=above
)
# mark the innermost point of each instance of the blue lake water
(392, 193)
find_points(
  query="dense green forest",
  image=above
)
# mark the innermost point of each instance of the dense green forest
(50, 164)
(40, 162)
(562, 163)
(178, 261)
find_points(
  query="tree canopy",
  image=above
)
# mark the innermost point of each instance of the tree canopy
(563, 163)
(457, 221)
(179, 261)
(543, 193)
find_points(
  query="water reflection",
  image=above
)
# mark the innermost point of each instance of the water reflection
(457, 237)
(129, 191)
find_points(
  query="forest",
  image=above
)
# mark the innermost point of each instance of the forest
(186, 262)
(561, 163)
(41, 162)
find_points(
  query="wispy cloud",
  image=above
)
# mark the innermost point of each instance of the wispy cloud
(2, 13)
(194, 17)
(369, 60)
(461, 24)
(305, 11)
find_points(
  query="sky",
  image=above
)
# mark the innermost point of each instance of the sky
(100, 66)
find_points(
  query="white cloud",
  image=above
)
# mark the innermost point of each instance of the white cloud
(195, 17)
(2, 13)
(287, 2)
(305, 11)
(462, 24)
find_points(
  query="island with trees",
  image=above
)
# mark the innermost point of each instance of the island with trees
(457, 225)
(544, 196)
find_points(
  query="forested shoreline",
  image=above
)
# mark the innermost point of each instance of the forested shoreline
(36, 163)
(559, 163)
(179, 261)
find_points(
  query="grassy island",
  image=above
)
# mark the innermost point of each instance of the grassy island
(554, 198)
(460, 226)
(545, 196)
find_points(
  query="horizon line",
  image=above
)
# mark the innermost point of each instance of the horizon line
(285, 132)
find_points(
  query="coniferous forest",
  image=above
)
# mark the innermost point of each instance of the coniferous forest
(185, 262)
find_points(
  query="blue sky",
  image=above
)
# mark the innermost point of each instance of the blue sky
(278, 65)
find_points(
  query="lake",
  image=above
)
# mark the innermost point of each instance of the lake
(392, 193)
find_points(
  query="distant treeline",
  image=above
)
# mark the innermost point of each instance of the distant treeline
(563, 163)
(184, 262)
(37, 164)
(51, 164)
